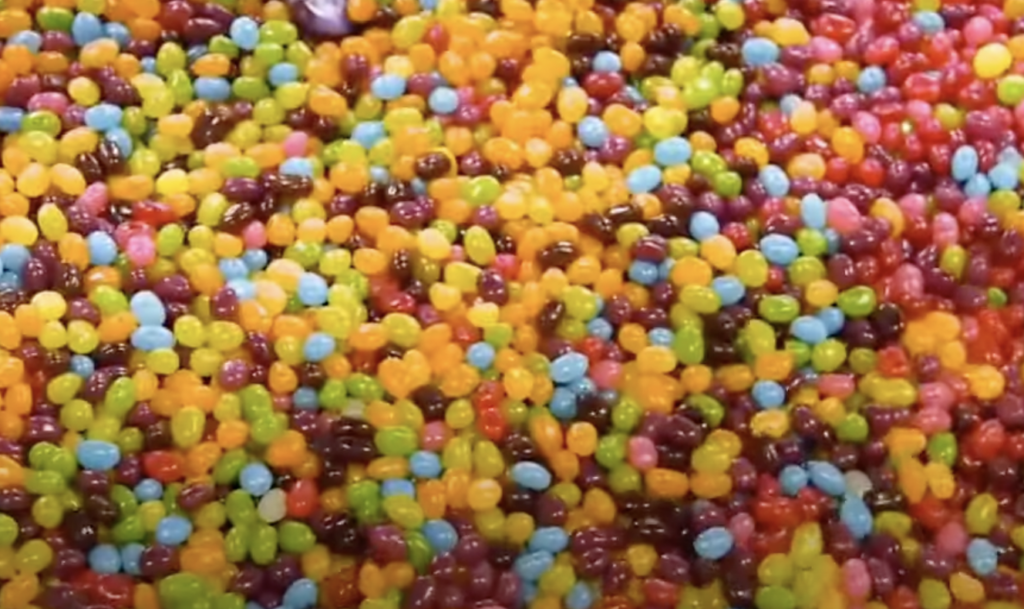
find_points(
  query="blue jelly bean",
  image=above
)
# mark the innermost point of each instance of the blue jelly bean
(930, 22)
(369, 133)
(85, 28)
(1004, 176)
(532, 565)
(397, 486)
(256, 260)
(982, 556)
(759, 52)
(833, 318)
(779, 249)
(388, 87)
(569, 367)
(245, 33)
(148, 489)
(643, 272)
(105, 559)
(808, 329)
(827, 478)
(301, 594)
(425, 464)
(580, 596)
(703, 226)
(775, 180)
(549, 539)
(148, 309)
(592, 132)
(871, 79)
(151, 338)
(11, 119)
(173, 530)
(297, 166)
(441, 535)
(305, 398)
(481, 355)
(606, 61)
(32, 41)
(793, 479)
(131, 558)
(312, 290)
(318, 346)
(660, 337)
(102, 249)
(82, 366)
(600, 328)
(730, 289)
(122, 139)
(256, 479)
(103, 117)
(978, 186)
(856, 515)
(964, 164)
(813, 212)
(531, 475)
(768, 394)
(713, 543)
(98, 455)
(233, 268)
(562, 404)
(643, 179)
(212, 88)
(443, 100)
(582, 386)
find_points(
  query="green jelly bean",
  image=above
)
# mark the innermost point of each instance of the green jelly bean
(404, 511)
(124, 499)
(858, 301)
(700, 299)
(229, 466)
(828, 355)
(333, 395)
(942, 448)
(263, 545)
(240, 508)
(44, 482)
(626, 415)
(778, 308)
(774, 597)
(8, 531)
(853, 428)
(54, 18)
(236, 543)
(934, 594)
(181, 590)
(775, 570)
(187, 426)
(710, 408)
(981, 514)
(129, 529)
(479, 245)
(295, 537)
(688, 345)
(419, 550)
(758, 337)
(364, 499)
(611, 450)
(396, 441)
(624, 478)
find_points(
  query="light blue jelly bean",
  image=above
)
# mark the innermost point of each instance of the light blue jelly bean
(660, 337)
(102, 250)
(388, 87)
(871, 79)
(104, 558)
(425, 464)
(103, 117)
(369, 133)
(441, 535)
(85, 28)
(606, 61)
(592, 132)
(703, 226)
(964, 163)
(148, 309)
(714, 543)
(148, 489)
(643, 272)
(813, 212)
(82, 366)
(779, 249)
(532, 565)
(443, 100)
(173, 530)
(98, 455)
(793, 479)
(978, 186)
(601, 328)
(759, 52)
(730, 290)
(397, 486)
(856, 515)
(245, 33)
(580, 596)
(982, 556)
(531, 475)
(151, 338)
(318, 346)
(775, 180)
(301, 594)
(256, 479)
(808, 329)
(827, 478)
(305, 398)
(1004, 176)
(643, 179)
(481, 355)
(212, 88)
(549, 539)
(131, 558)
(312, 290)
(833, 318)
(569, 367)
(563, 404)
(768, 394)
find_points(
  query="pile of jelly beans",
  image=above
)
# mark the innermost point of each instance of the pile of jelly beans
(511, 304)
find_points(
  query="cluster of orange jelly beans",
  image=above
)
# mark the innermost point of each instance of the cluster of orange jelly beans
(511, 304)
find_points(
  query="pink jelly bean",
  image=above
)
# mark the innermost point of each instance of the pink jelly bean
(945, 230)
(606, 374)
(826, 50)
(952, 538)
(458, 254)
(295, 144)
(868, 126)
(94, 199)
(913, 206)
(836, 385)
(972, 212)
(435, 434)
(642, 453)
(856, 579)
(969, 328)
(933, 420)
(907, 282)
(919, 110)
(141, 251)
(50, 100)
(843, 216)
(936, 395)
(742, 528)
(282, 402)
(977, 32)
(254, 235)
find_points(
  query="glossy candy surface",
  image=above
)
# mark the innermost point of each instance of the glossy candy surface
(511, 304)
